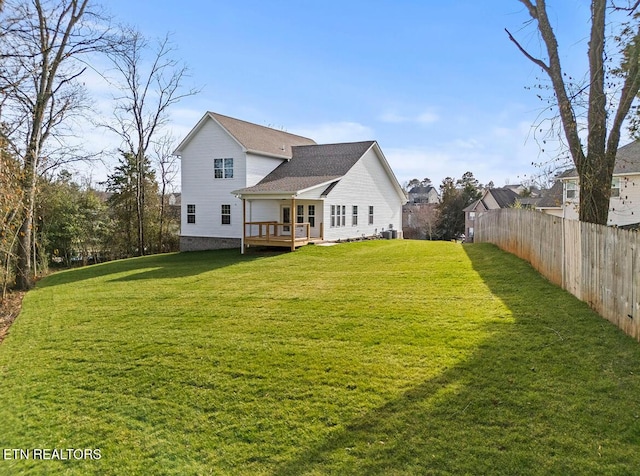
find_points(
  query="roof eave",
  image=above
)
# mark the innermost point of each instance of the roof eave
(267, 154)
(197, 127)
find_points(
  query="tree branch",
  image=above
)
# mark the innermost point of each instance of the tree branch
(535, 60)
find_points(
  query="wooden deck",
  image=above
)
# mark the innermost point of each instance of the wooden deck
(284, 235)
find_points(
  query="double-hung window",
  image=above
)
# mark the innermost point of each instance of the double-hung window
(615, 187)
(223, 168)
(371, 215)
(338, 215)
(299, 213)
(191, 213)
(572, 189)
(354, 215)
(226, 214)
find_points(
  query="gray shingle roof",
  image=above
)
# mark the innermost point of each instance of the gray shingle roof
(260, 138)
(551, 198)
(421, 189)
(311, 165)
(627, 161)
(504, 197)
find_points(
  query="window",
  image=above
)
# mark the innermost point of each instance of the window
(472, 216)
(338, 215)
(191, 213)
(226, 214)
(615, 187)
(223, 168)
(572, 189)
(370, 215)
(300, 214)
(311, 215)
(286, 218)
(354, 215)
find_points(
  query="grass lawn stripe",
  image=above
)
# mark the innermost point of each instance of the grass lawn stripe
(385, 357)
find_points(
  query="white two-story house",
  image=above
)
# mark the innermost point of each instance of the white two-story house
(244, 184)
(624, 204)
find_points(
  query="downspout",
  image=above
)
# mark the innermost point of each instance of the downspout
(293, 217)
(244, 224)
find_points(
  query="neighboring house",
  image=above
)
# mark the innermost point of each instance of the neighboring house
(624, 204)
(524, 191)
(423, 194)
(420, 212)
(551, 200)
(491, 199)
(173, 203)
(419, 220)
(245, 184)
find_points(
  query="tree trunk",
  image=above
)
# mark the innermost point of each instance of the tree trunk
(140, 202)
(24, 266)
(595, 187)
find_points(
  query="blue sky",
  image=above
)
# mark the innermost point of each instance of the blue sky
(436, 83)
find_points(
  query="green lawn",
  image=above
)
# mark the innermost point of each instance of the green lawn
(383, 357)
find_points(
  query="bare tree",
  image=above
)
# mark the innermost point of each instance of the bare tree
(167, 165)
(142, 108)
(42, 47)
(605, 107)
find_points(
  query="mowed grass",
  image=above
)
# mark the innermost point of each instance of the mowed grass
(385, 357)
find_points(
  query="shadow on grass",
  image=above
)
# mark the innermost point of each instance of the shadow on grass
(552, 390)
(171, 265)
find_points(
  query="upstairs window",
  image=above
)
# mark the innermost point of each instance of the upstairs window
(223, 168)
(572, 189)
(615, 187)
(191, 213)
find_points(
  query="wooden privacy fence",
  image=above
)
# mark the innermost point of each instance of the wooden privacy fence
(598, 264)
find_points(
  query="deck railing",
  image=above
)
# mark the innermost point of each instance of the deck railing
(271, 233)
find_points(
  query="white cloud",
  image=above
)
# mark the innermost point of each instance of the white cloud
(391, 117)
(333, 132)
(428, 118)
(424, 118)
(499, 154)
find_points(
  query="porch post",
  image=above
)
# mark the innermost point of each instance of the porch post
(294, 219)
(244, 225)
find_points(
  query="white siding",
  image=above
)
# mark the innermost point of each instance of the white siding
(625, 209)
(556, 212)
(314, 193)
(366, 184)
(199, 187)
(263, 210)
(258, 167)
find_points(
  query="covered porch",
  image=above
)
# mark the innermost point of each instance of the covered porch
(279, 222)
